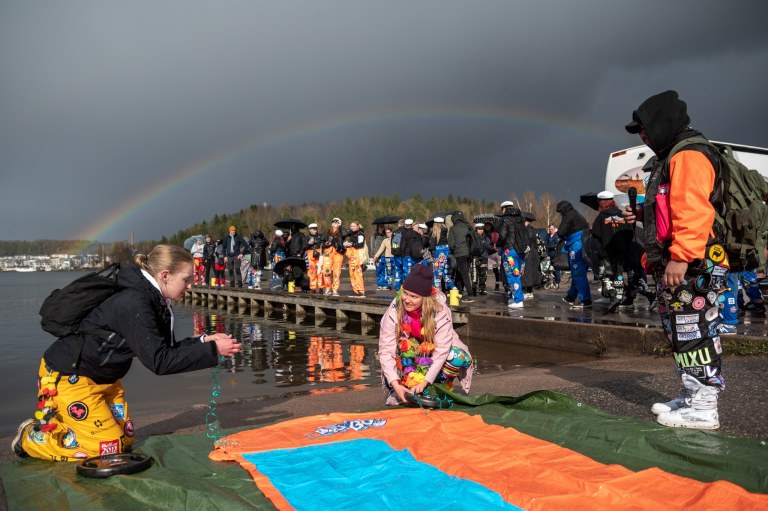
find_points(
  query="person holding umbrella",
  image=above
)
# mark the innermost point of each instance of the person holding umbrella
(197, 256)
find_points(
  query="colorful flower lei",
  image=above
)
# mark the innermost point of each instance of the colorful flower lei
(414, 356)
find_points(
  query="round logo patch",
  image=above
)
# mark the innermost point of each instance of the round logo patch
(73, 379)
(711, 314)
(698, 303)
(717, 253)
(78, 410)
(128, 428)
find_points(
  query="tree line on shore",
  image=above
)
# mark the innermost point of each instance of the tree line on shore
(263, 217)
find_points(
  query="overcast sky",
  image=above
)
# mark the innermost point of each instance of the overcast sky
(153, 115)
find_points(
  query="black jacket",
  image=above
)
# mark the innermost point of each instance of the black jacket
(259, 246)
(457, 235)
(209, 251)
(512, 232)
(571, 220)
(296, 244)
(236, 247)
(414, 244)
(138, 316)
(613, 233)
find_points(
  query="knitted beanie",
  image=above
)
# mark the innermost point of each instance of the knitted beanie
(419, 280)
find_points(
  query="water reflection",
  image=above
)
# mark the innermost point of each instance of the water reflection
(291, 355)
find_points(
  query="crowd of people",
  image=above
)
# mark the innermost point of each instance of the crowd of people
(520, 257)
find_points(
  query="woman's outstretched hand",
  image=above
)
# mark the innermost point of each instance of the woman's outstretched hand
(225, 345)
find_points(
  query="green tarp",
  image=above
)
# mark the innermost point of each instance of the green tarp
(182, 477)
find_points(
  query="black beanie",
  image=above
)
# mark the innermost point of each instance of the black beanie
(419, 280)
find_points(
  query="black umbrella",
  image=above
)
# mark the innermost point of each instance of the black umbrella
(487, 218)
(286, 223)
(590, 199)
(386, 219)
(443, 214)
(288, 261)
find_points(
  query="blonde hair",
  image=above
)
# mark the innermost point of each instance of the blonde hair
(429, 308)
(436, 228)
(164, 257)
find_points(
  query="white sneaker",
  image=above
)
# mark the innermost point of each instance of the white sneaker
(18, 450)
(683, 400)
(515, 305)
(528, 296)
(701, 414)
(327, 292)
(335, 293)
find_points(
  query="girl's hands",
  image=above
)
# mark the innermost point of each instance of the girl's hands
(225, 345)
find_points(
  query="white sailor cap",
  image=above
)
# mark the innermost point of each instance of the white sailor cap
(507, 203)
(278, 232)
(439, 220)
(409, 221)
(422, 226)
(605, 195)
(479, 226)
(312, 226)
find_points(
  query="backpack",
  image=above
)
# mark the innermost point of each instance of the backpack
(398, 249)
(522, 239)
(741, 215)
(65, 308)
(475, 244)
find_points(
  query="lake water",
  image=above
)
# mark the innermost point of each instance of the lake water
(279, 357)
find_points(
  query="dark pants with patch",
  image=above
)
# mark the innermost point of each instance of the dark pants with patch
(690, 314)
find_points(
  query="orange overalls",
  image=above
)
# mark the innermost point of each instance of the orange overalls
(332, 261)
(355, 270)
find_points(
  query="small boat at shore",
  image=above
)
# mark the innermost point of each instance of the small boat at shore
(24, 268)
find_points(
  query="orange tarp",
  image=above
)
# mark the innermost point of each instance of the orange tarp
(530, 473)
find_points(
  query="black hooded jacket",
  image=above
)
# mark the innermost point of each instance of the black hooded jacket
(140, 319)
(259, 245)
(512, 232)
(571, 220)
(457, 235)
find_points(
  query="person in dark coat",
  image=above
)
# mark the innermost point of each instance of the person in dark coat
(571, 229)
(513, 244)
(235, 247)
(532, 276)
(209, 258)
(457, 243)
(612, 236)
(295, 242)
(259, 246)
(85, 413)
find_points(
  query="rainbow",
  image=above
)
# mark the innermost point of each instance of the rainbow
(109, 223)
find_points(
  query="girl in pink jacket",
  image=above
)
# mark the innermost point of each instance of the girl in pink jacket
(417, 343)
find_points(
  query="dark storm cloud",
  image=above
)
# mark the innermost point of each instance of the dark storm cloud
(105, 104)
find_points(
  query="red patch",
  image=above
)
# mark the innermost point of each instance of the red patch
(107, 448)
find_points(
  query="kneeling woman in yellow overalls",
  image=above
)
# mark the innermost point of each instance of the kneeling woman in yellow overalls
(82, 411)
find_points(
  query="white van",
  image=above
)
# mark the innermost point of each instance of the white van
(625, 168)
